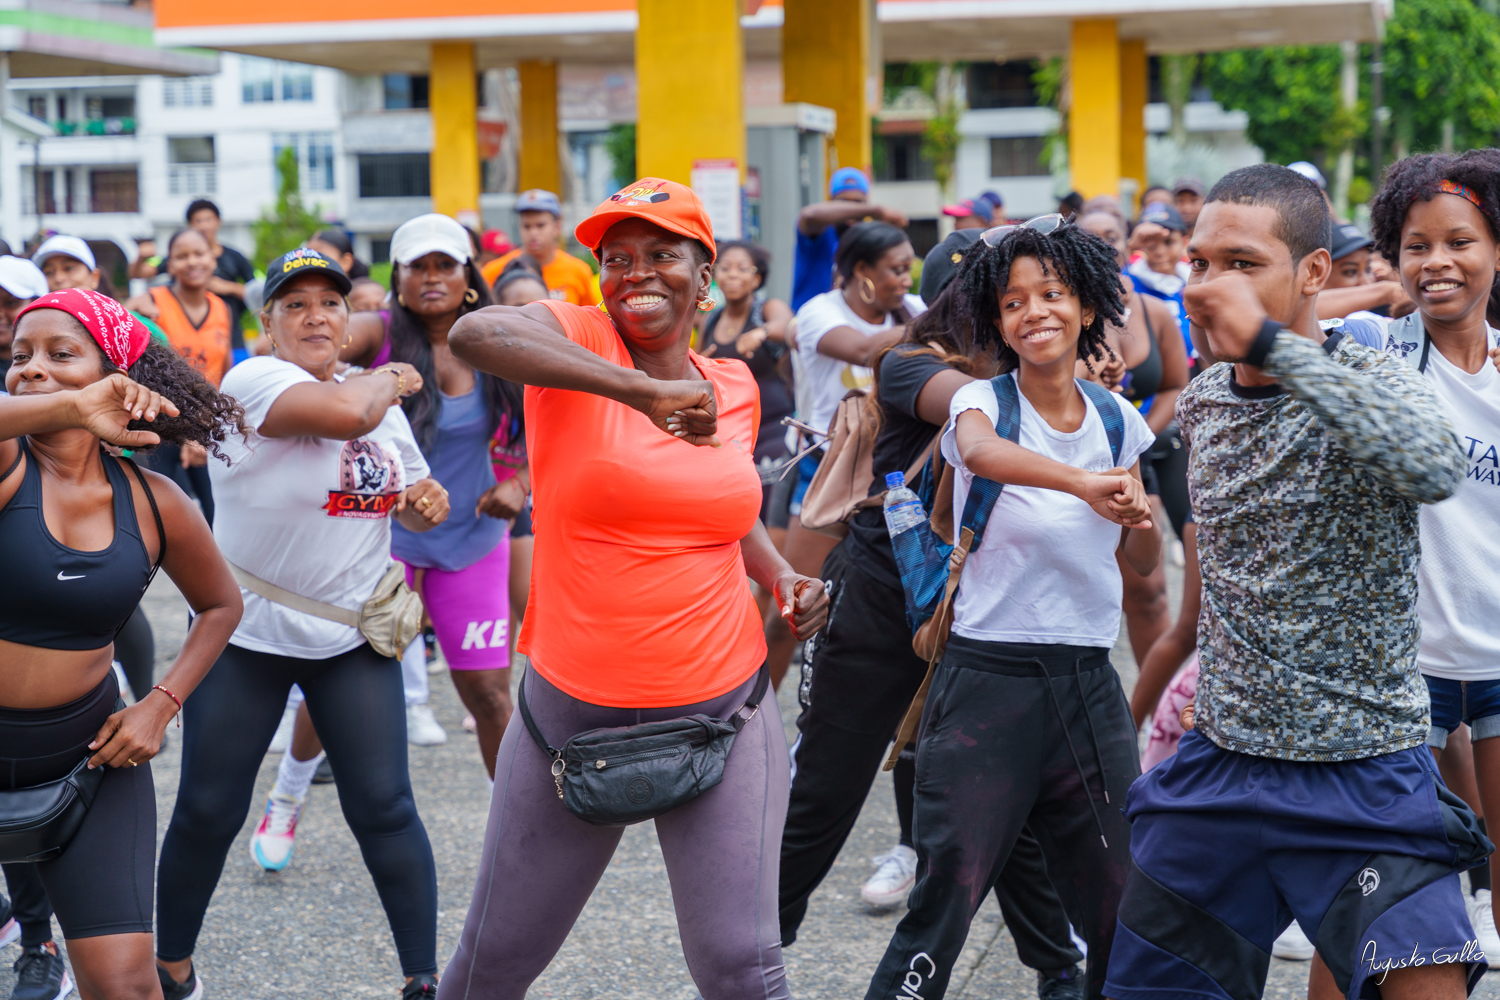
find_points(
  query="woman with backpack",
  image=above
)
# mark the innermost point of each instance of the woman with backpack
(1025, 723)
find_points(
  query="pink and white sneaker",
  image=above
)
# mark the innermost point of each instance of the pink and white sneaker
(272, 844)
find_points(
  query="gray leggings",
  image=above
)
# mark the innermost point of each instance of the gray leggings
(541, 862)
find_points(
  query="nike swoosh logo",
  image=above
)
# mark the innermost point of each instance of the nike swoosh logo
(60, 576)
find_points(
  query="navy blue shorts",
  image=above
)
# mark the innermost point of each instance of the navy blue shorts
(1453, 702)
(1227, 849)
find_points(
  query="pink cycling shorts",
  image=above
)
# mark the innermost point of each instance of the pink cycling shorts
(470, 610)
(1166, 722)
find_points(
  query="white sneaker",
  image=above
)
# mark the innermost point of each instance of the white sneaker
(1482, 916)
(1293, 945)
(283, 737)
(895, 875)
(422, 729)
(272, 844)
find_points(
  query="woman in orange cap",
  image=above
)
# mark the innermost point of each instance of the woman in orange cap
(639, 608)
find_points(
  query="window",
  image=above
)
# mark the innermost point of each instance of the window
(1017, 156)
(1002, 85)
(403, 91)
(62, 107)
(36, 107)
(314, 157)
(380, 250)
(41, 198)
(190, 165)
(188, 92)
(261, 80)
(114, 190)
(900, 159)
(394, 175)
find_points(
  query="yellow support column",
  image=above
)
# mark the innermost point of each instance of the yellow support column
(1094, 118)
(825, 56)
(690, 86)
(538, 165)
(455, 132)
(1133, 88)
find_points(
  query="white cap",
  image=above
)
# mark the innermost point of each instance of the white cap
(431, 233)
(22, 278)
(1309, 171)
(64, 246)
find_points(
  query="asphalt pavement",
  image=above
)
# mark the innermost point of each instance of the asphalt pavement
(317, 930)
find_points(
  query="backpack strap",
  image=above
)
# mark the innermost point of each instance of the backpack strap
(980, 503)
(1109, 412)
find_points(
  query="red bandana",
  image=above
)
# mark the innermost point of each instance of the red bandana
(122, 336)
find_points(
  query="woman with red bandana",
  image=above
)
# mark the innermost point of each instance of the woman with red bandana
(84, 532)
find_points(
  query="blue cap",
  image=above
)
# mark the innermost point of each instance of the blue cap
(894, 480)
(537, 200)
(848, 179)
(1164, 215)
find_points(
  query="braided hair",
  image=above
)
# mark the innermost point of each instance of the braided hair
(1084, 262)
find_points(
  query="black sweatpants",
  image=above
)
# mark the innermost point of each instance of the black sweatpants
(166, 458)
(359, 710)
(859, 678)
(1014, 736)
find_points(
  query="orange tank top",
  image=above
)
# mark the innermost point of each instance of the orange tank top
(639, 597)
(206, 346)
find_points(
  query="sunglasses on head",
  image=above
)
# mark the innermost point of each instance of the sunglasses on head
(1043, 224)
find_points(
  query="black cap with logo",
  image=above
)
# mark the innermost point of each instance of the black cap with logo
(299, 262)
(941, 262)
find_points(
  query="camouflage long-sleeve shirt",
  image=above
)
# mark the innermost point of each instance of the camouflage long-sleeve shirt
(1306, 497)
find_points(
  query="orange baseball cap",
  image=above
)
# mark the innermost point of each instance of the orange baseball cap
(675, 207)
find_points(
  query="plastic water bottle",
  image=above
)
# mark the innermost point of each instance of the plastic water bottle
(902, 508)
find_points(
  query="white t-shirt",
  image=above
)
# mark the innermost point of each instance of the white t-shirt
(1458, 579)
(1045, 571)
(311, 515)
(823, 380)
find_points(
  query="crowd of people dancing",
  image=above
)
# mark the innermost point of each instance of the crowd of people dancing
(489, 465)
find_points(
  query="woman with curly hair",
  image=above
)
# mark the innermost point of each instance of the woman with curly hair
(1025, 723)
(84, 533)
(470, 428)
(1438, 219)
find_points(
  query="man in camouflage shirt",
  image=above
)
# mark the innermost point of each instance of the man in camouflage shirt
(1305, 790)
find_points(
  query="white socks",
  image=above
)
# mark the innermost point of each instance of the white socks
(294, 776)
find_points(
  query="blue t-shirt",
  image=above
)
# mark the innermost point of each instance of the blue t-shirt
(460, 461)
(812, 267)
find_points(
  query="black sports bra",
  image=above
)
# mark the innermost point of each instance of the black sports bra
(55, 597)
(1145, 378)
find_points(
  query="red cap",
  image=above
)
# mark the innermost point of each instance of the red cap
(122, 337)
(672, 206)
(496, 242)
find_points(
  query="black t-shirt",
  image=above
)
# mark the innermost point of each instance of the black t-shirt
(903, 436)
(775, 393)
(234, 266)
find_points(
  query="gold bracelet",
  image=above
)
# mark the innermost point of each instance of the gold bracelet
(400, 378)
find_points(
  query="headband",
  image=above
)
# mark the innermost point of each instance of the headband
(1462, 190)
(121, 336)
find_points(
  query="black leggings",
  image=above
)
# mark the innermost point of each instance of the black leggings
(135, 648)
(166, 459)
(358, 707)
(101, 884)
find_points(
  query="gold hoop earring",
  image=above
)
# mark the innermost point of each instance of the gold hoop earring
(471, 296)
(400, 300)
(869, 299)
(706, 304)
(345, 345)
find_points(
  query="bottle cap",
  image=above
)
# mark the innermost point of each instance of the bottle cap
(894, 479)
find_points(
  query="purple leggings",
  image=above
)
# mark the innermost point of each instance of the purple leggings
(540, 862)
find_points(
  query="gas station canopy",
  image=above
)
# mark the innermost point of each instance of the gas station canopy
(385, 35)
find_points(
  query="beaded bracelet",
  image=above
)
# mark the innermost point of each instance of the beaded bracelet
(158, 687)
(400, 378)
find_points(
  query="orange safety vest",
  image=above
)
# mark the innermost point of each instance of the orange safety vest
(207, 346)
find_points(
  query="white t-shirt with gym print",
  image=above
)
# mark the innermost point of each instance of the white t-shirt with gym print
(1045, 571)
(311, 515)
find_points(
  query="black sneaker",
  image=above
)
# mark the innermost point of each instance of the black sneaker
(1061, 984)
(171, 989)
(41, 974)
(324, 774)
(420, 987)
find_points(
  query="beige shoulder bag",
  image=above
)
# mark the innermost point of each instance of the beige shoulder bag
(389, 620)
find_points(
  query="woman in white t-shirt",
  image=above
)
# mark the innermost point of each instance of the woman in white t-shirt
(1025, 721)
(840, 336)
(306, 504)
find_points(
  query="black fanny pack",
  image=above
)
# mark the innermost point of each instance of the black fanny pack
(625, 774)
(38, 823)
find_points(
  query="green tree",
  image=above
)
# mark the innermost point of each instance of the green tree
(288, 223)
(1440, 59)
(620, 145)
(1291, 94)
